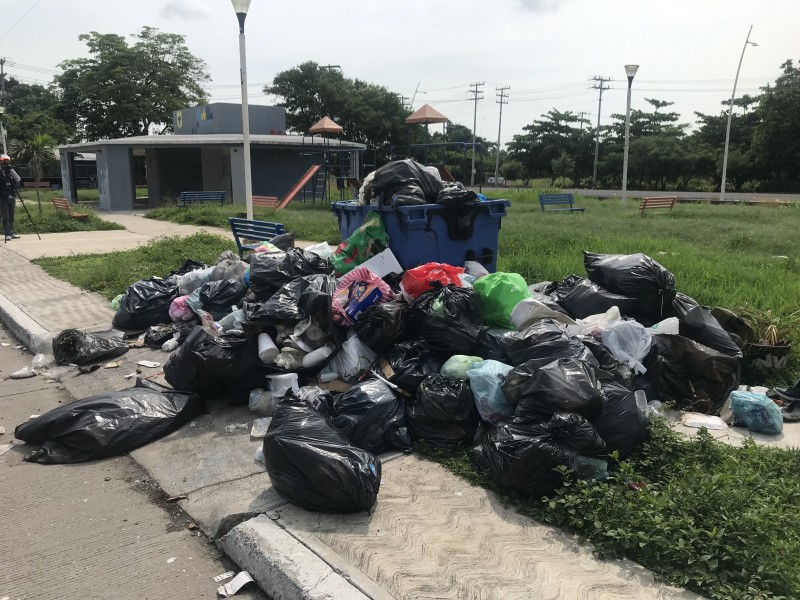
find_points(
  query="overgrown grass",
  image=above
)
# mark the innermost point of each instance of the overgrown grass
(110, 274)
(52, 221)
(719, 520)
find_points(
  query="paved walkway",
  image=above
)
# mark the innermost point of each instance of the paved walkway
(432, 535)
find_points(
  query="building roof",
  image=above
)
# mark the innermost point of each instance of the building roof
(325, 125)
(216, 139)
(426, 114)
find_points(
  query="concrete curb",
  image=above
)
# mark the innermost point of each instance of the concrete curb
(282, 566)
(27, 330)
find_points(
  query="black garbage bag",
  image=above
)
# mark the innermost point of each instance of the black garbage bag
(382, 325)
(633, 275)
(295, 301)
(413, 361)
(156, 335)
(650, 382)
(75, 347)
(546, 339)
(284, 241)
(491, 344)
(455, 195)
(145, 303)
(189, 264)
(622, 425)
(698, 324)
(696, 377)
(407, 179)
(564, 385)
(312, 465)
(372, 417)
(108, 424)
(271, 271)
(449, 319)
(580, 298)
(443, 413)
(524, 457)
(219, 296)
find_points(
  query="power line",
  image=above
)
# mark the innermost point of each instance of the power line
(20, 20)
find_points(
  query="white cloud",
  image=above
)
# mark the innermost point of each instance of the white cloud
(540, 5)
(183, 10)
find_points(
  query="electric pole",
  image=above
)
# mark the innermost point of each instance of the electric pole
(476, 95)
(3, 102)
(600, 84)
(580, 117)
(501, 99)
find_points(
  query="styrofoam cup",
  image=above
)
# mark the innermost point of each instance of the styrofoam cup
(267, 350)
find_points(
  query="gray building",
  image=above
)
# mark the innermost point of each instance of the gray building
(205, 154)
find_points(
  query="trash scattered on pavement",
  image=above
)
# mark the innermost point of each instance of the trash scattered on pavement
(5, 345)
(260, 427)
(234, 426)
(176, 498)
(78, 347)
(130, 375)
(171, 560)
(85, 369)
(23, 373)
(234, 585)
(112, 365)
(150, 364)
(698, 420)
(223, 576)
(5, 448)
(2, 430)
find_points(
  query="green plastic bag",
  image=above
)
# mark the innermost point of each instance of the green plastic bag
(500, 293)
(365, 242)
(457, 366)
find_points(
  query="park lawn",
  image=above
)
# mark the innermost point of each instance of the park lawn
(51, 221)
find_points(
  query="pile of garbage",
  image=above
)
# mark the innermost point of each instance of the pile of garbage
(361, 358)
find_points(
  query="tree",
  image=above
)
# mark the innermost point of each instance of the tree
(38, 152)
(30, 112)
(126, 90)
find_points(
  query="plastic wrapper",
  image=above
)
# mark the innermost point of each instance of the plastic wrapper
(486, 380)
(456, 366)
(180, 311)
(412, 362)
(564, 385)
(270, 272)
(449, 319)
(698, 324)
(443, 413)
(524, 458)
(408, 180)
(218, 297)
(145, 303)
(757, 412)
(421, 279)
(582, 298)
(696, 377)
(365, 242)
(108, 424)
(293, 302)
(382, 325)
(500, 293)
(75, 347)
(313, 466)
(358, 291)
(622, 424)
(371, 417)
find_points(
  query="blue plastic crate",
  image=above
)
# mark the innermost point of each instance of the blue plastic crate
(421, 234)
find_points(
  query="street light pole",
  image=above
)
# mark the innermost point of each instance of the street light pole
(730, 114)
(241, 7)
(630, 71)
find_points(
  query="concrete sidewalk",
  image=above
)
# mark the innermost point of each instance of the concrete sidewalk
(431, 535)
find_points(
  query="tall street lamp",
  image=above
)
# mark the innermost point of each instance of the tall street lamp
(630, 71)
(241, 7)
(730, 114)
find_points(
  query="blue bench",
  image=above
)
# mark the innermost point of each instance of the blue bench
(249, 233)
(567, 200)
(190, 198)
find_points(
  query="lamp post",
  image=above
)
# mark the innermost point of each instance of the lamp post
(241, 7)
(730, 114)
(630, 71)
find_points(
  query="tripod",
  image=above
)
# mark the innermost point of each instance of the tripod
(29, 215)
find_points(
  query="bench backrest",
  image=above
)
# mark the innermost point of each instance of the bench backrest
(186, 197)
(657, 202)
(265, 201)
(250, 229)
(62, 203)
(556, 199)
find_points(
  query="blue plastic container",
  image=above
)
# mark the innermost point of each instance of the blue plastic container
(422, 234)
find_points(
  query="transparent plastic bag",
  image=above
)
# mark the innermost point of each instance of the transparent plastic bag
(629, 342)
(486, 380)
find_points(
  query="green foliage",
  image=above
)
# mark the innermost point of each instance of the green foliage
(123, 90)
(38, 152)
(715, 519)
(52, 221)
(110, 274)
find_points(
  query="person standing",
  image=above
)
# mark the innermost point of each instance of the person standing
(8, 196)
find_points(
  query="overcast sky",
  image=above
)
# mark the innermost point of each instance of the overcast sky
(545, 50)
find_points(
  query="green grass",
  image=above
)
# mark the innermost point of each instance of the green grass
(110, 274)
(52, 221)
(718, 520)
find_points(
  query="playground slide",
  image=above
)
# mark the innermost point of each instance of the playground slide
(298, 186)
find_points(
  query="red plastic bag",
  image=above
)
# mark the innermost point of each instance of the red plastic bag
(419, 279)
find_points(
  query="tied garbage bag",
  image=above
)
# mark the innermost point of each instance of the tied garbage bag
(412, 361)
(582, 298)
(564, 385)
(192, 280)
(372, 418)
(312, 465)
(73, 347)
(271, 271)
(545, 340)
(408, 180)
(449, 319)
(382, 325)
(295, 301)
(698, 324)
(500, 293)
(108, 424)
(188, 265)
(622, 424)
(145, 303)
(365, 242)
(284, 241)
(491, 344)
(757, 412)
(443, 413)
(356, 292)
(486, 381)
(156, 335)
(218, 297)
(420, 279)
(179, 310)
(456, 366)
(523, 457)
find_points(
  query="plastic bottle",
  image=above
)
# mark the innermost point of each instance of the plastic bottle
(169, 345)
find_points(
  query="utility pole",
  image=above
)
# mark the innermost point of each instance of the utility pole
(3, 101)
(476, 95)
(600, 84)
(501, 99)
(580, 117)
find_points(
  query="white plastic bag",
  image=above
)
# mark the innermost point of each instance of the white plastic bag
(529, 310)
(629, 342)
(354, 358)
(670, 326)
(323, 249)
(194, 280)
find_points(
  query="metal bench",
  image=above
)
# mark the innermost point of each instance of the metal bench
(567, 200)
(657, 202)
(62, 204)
(249, 233)
(190, 198)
